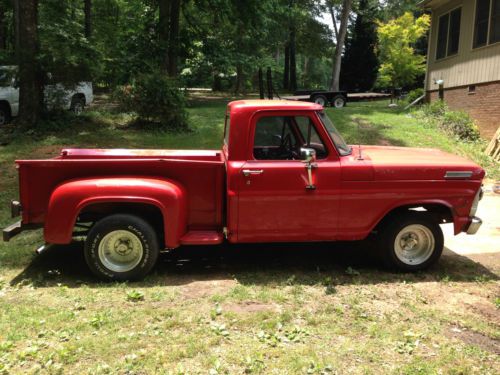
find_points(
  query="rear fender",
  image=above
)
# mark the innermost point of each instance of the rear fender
(70, 198)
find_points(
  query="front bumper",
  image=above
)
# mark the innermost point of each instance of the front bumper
(474, 225)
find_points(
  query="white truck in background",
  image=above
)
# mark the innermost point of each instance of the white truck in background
(56, 95)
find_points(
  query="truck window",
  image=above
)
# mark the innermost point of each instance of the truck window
(281, 137)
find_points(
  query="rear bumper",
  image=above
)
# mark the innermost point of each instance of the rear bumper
(474, 225)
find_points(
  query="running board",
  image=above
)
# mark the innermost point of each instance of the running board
(202, 237)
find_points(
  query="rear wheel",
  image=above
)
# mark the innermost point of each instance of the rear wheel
(411, 242)
(321, 100)
(339, 101)
(121, 247)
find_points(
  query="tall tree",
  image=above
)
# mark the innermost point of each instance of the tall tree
(360, 62)
(30, 89)
(3, 26)
(87, 8)
(400, 64)
(164, 30)
(340, 33)
(173, 45)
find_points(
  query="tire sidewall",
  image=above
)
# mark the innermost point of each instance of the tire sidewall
(336, 98)
(5, 116)
(135, 225)
(388, 237)
(323, 98)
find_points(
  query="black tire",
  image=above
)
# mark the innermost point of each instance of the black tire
(321, 100)
(410, 227)
(338, 101)
(4, 114)
(77, 105)
(113, 230)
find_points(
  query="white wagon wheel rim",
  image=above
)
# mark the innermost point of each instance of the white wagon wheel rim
(414, 244)
(320, 100)
(120, 251)
(338, 103)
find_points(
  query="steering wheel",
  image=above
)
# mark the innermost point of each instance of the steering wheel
(286, 148)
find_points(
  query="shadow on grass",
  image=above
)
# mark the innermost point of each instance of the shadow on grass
(255, 264)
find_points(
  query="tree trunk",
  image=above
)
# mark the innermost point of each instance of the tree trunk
(173, 48)
(88, 18)
(17, 47)
(293, 63)
(3, 29)
(164, 30)
(337, 60)
(286, 70)
(239, 78)
(30, 89)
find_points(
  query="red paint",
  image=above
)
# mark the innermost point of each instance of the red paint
(200, 192)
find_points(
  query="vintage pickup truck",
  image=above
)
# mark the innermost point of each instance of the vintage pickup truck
(284, 173)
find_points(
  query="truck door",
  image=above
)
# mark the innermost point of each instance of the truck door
(275, 201)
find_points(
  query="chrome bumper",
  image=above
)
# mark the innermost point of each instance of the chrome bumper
(474, 225)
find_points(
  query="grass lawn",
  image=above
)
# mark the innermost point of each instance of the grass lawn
(264, 309)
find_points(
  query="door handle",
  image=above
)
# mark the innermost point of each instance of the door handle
(248, 172)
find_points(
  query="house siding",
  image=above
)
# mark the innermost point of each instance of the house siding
(469, 66)
(479, 67)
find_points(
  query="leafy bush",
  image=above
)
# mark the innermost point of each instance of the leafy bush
(460, 124)
(456, 123)
(156, 99)
(414, 95)
(435, 109)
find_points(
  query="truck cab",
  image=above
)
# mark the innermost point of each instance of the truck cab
(284, 174)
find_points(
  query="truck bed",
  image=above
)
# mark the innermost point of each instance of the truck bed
(201, 172)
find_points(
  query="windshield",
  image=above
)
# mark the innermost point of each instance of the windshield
(342, 147)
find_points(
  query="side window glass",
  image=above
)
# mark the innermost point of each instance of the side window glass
(310, 136)
(274, 139)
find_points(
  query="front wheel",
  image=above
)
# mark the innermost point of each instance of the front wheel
(4, 115)
(121, 247)
(321, 100)
(411, 242)
(77, 105)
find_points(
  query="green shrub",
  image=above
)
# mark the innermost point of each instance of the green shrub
(456, 123)
(156, 99)
(414, 95)
(435, 109)
(460, 124)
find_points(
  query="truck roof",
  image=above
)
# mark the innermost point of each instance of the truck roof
(253, 105)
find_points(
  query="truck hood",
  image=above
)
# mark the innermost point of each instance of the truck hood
(405, 163)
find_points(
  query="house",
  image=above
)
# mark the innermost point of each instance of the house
(464, 57)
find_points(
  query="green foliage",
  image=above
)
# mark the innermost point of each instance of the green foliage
(135, 296)
(414, 95)
(156, 99)
(360, 62)
(456, 123)
(399, 64)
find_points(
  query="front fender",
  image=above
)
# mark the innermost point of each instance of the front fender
(69, 198)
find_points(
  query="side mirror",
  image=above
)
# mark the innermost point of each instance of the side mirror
(308, 155)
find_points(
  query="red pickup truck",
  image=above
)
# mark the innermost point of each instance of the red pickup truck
(284, 173)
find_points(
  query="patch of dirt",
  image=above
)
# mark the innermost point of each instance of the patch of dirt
(206, 288)
(487, 310)
(47, 151)
(474, 338)
(251, 307)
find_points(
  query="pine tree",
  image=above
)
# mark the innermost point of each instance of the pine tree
(360, 63)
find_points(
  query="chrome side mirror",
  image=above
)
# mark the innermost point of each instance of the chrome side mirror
(308, 155)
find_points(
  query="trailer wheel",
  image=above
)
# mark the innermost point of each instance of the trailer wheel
(321, 100)
(338, 101)
(411, 242)
(121, 247)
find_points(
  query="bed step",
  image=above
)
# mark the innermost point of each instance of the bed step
(202, 237)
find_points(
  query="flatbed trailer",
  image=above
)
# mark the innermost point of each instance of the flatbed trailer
(337, 99)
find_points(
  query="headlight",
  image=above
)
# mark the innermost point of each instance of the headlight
(475, 203)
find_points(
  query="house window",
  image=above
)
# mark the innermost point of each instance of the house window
(487, 23)
(448, 34)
